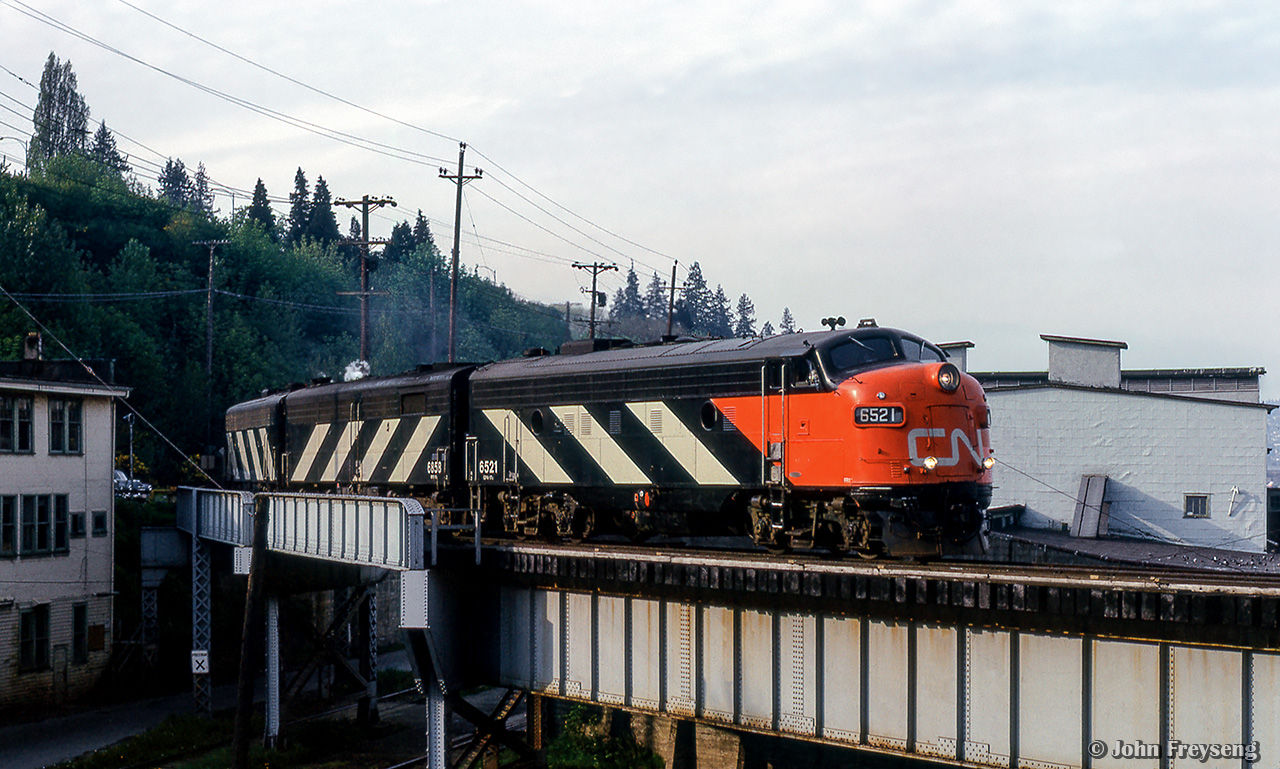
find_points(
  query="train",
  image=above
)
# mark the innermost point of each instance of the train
(861, 441)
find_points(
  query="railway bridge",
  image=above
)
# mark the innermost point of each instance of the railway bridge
(966, 664)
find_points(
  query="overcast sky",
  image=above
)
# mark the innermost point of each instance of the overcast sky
(974, 171)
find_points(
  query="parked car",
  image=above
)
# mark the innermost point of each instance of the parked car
(131, 488)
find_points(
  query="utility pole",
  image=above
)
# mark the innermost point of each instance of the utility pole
(671, 299)
(460, 179)
(597, 298)
(365, 204)
(208, 344)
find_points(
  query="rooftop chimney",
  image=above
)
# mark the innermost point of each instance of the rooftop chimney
(33, 347)
(1084, 362)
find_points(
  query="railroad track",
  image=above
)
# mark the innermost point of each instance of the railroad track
(1142, 578)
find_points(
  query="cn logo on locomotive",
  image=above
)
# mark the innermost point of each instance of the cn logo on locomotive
(958, 438)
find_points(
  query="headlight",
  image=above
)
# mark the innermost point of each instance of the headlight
(948, 377)
(930, 463)
(988, 463)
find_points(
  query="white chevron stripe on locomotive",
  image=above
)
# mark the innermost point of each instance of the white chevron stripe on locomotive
(413, 449)
(243, 469)
(346, 442)
(268, 456)
(600, 446)
(682, 444)
(530, 451)
(377, 447)
(309, 452)
(255, 452)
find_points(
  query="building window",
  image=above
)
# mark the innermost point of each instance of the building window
(77, 525)
(1195, 505)
(99, 523)
(60, 541)
(65, 428)
(15, 425)
(80, 633)
(33, 651)
(9, 525)
(43, 527)
(37, 524)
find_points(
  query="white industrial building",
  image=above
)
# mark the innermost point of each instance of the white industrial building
(1174, 455)
(57, 450)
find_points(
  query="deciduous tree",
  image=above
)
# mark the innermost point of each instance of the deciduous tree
(61, 116)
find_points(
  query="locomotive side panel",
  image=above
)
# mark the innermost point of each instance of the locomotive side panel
(254, 433)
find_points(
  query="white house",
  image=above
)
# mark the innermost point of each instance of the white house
(57, 447)
(1172, 454)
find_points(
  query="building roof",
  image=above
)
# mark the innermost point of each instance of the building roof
(1177, 396)
(90, 376)
(1082, 340)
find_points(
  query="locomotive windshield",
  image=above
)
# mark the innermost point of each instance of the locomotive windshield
(858, 352)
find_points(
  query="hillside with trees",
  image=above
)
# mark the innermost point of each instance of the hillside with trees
(116, 271)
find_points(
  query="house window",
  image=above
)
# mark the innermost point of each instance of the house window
(33, 653)
(37, 524)
(80, 633)
(60, 522)
(99, 523)
(44, 524)
(15, 425)
(65, 426)
(9, 525)
(77, 525)
(1195, 505)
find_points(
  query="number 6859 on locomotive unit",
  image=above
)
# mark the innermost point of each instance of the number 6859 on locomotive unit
(863, 440)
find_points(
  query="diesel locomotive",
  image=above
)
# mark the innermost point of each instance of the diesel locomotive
(862, 440)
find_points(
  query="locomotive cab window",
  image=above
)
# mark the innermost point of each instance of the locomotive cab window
(804, 373)
(860, 352)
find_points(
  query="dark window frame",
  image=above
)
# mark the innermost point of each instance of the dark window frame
(9, 525)
(1196, 506)
(80, 633)
(17, 423)
(33, 639)
(100, 525)
(66, 426)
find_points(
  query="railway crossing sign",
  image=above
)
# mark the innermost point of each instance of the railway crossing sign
(200, 662)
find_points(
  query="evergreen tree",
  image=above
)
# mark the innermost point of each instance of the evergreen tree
(400, 244)
(655, 298)
(349, 251)
(788, 324)
(299, 207)
(745, 318)
(201, 195)
(260, 209)
(767, 329)
(175, 185)
(422, 231)
(694, 308)
(627, 302)
(104, 150)
(61, 116)
(721, 320)
(322, 225)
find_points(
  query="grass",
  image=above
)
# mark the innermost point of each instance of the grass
(192, 742)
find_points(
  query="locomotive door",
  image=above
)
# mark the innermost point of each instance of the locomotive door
(773, 422)
(511, 448)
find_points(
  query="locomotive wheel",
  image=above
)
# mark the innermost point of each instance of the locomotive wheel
(583, 526)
